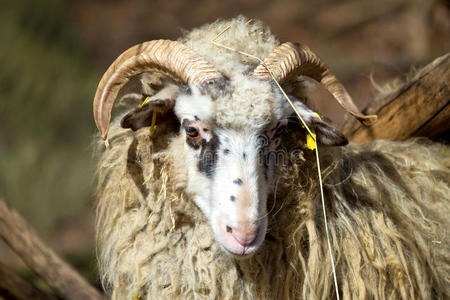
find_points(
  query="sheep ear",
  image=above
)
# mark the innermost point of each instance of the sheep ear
(149, 83)
(326, 134)
(162, 102)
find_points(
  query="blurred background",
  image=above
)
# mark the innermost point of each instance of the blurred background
(53, 53)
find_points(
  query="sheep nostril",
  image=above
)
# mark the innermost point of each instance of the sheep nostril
(245, 238)
(229, 229)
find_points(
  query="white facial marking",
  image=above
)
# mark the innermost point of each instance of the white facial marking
(201, 106)
(226, 176)
(238, 193)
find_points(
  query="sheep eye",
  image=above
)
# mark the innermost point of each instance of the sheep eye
(191, 132)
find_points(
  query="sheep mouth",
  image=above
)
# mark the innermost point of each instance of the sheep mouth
(240, 251)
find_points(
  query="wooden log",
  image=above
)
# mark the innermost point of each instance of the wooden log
(12, 286)
(418, 108)
(61, 277)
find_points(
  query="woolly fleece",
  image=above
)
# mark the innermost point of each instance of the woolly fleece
(387, 204)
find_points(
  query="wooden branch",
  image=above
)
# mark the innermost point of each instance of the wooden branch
(65, 281)
(419, 108)
(12, 286)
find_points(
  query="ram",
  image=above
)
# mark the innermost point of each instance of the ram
(208, 190)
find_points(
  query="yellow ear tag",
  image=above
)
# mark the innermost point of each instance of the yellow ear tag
(310, 141)
(152, 127)
(145, 101)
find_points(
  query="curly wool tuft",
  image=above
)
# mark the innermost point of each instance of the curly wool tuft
(249, 36)
(387, 204)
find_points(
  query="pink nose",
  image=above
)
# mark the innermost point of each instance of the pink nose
(244, 237)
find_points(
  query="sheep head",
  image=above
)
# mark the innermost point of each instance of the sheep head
(229, 126)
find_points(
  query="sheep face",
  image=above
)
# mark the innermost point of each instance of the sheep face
(229, 135)
(228, 175)
(228, 120)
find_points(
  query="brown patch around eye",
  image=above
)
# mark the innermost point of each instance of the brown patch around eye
(191, 132)
(195, 133)
(193, 137)
(194, 143)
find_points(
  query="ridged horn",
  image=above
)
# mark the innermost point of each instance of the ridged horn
(169, 57)
(290, 60)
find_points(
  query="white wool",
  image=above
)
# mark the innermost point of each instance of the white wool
(249, 37)
(251, 104)
(201, 106)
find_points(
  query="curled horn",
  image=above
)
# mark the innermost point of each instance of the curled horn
(172, 58)
(290, 60)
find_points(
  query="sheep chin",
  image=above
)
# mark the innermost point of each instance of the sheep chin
(232, 247)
